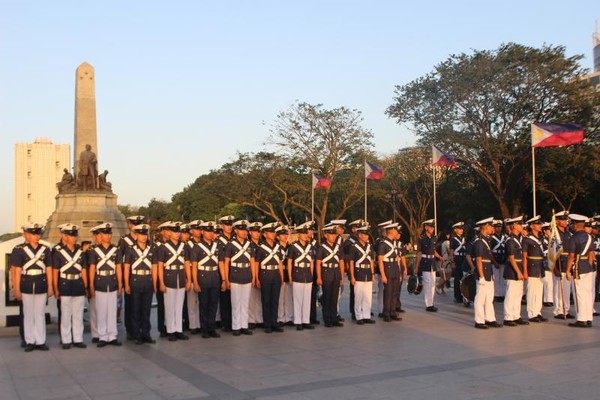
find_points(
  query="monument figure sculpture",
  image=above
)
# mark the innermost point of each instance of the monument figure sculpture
(67, 183)
(88, 168)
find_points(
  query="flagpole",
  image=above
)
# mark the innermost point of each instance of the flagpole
(365, 190)
(533, 173)
(312, 185)
(434, 201)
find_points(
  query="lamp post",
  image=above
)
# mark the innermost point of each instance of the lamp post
(391, 196)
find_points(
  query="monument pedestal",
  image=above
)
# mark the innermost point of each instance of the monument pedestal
(86, 209)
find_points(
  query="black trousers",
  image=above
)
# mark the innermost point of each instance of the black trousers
(314, 292)
(398, 302)
(140, 304)
(185, 321)
(127, 309)
(21, 327)
(351, 303)
(160, 312)
(458, 275)
(390, 296)
(329, 300)
(209, 301)
(225, 309)
(269, 294)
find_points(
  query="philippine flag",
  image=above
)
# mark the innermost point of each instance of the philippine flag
(441, 158)
(372, 171)
(547, 135)
(320, 182)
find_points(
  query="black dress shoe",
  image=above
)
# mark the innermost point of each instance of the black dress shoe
(66, 346)
(579, 324)
(115, 342)
(509, 323)
(315, 321)
(214, 334)
(596, 314)
(42, 347)
(560, 316)
(481, 326)
(194, 331)
(328, 325)
(101, 343)
(278, 329)
(236, 332)
(289, 323)
(268, 330)
(227, 329)
(163, 335)
(493, 324)
(80, 345)
(337, 324)
(340, 318)
(431, 309)
(172, 337)
(205, 335)
(381, 315)
(360, 322)
(181, 336)
(548, 304)
(542, 318)
(299, 327)
(535, 319)
(95, 340)
(148, 339)
(29, 347)
(308, 326)
(569, 316)
(139, 341)
(246, 332)
(520, 321)
(251, 326)
(387, 319)
(369, 321)
(589, 323)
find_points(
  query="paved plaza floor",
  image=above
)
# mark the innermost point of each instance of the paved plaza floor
(425, 356)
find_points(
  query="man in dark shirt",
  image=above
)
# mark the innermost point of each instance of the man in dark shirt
(485, 315)
(580, 262)
(562, 287)
(533, 265)
(329, 265)
(362, 269)
(458, 248)
(300, 269)
(425, 266)
(498, 246)
(514, 273)
(388, 263)
(255, 304)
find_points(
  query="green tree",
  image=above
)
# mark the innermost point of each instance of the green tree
(479, 106)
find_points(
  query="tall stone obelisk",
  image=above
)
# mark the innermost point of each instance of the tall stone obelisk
(85, 112)
(85, 198)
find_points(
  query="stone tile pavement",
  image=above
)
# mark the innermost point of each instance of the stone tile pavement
(425, 356)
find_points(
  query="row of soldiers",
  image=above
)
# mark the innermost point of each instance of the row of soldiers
(513, 266)
(253, 275)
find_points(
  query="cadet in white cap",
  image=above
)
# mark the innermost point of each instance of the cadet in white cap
(346, 246)
(547, 280)
(227, 235)
(579, 269)
(378, 240)
(458, 249)
(514, 273)
(533, 265)
(106, 285)
(174, 281)
(239, 276)
(255, 306)
(426, 253)
(191, 297)
(139, 280)
(300, 269)
(498, 244)
(388, 262)
(485, 315)
(207, 278)
(96, 240)
(562, 287)
(285, 309)
(163, 236)
(70, 285)
(362, 269)
(329, 266)
(270, 276)
(32, 265)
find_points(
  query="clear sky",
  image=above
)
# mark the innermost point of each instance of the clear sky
(181, 86)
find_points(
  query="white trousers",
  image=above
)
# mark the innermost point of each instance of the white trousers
(93, 317)
(193, 309)
(428, 287)
(583, 293)
(484, 302)
(558, 294)
(548, 282)
(512, 301)
(240, 298)
(255, 307)
(535, 290)
(174, 309)
(363, 297)
(106, 312)
(285, 309)
(380, 295)
(71, 321)
(499, 281)
(301, 293)
(34, 318)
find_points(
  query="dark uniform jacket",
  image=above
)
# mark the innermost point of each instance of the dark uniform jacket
(361, 255)
(498, 245)
(387, 248)
(33, 264)
(513, 248)
(459, 246)
(562, 259)
(481, 248)
(535, 256)
(330, 257)
(302, 259)
(268, 258)
(70, 266)
(580, 244)
(140, 262)
(427, 248)
(105, 260)
(207, 256)
(239, 261)
(171, 255)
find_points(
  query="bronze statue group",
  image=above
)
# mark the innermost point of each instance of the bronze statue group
(236, 275)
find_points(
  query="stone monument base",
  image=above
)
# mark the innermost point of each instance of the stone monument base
(86, 209)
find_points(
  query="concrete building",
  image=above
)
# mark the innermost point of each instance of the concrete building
(38, 166)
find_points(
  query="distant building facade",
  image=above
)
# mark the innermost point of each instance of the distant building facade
(38, 167)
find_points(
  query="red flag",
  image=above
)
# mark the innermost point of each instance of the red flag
(547, 135)
(441, 158)
(372, 171)
(320, 182)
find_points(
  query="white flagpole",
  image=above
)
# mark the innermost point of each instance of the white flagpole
(434, 201)
(533, 173)
(365, 190)
(312, 185)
